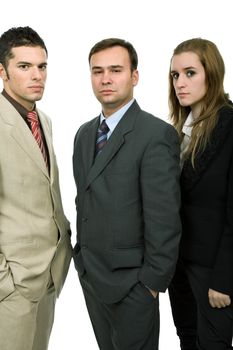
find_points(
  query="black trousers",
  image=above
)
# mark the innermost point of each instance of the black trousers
(199, 326)
(130, 324)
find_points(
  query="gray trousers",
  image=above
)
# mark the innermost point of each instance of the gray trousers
(130, 324)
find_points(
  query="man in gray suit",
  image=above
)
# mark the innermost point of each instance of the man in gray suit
(35, 248)
(126, 168)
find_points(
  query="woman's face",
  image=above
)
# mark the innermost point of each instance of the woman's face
(189, 80)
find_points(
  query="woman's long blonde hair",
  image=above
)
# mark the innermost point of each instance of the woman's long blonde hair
(213, 100)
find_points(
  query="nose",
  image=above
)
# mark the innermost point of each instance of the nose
(106, 78)
(36, 73)
(181, 81)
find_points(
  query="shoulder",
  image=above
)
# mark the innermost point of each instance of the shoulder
(45, 122)
(148, 119)
(225, 120)
(155, 126)
(44, 118)
(84, 128)
(226, 110)
(225, 113)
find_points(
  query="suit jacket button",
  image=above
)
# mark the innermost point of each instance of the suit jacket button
(84, 219)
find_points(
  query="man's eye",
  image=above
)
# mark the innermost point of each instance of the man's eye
(24, 66)
(43, 67)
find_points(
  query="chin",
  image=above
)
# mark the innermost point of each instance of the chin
(184, 104)
(37, 97)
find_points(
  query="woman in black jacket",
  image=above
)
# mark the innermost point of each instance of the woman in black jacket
(202, 288)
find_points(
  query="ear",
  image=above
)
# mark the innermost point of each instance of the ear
(135, 77)
(3, 73)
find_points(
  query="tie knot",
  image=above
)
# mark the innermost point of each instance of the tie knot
(32, 117)
(103, 128)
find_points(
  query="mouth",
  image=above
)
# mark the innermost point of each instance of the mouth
(106, 91)
(182, 94)
(36, 87)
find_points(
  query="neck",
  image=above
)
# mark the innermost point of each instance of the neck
(196, 111)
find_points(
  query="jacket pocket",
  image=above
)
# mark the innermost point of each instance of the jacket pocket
(126, 257)
(7, 287)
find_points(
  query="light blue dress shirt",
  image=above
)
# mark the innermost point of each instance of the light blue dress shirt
(114, 119)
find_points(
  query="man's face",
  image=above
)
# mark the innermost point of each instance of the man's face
(26, 75)
(112, 78)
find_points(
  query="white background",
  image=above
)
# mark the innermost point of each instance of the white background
(70, 28)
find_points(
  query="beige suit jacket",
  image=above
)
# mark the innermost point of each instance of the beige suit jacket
(34, 232)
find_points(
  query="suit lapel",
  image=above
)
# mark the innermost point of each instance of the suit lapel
(190, 176)
(88, 145)
(114, 143)
(48, 140)
(22, 134)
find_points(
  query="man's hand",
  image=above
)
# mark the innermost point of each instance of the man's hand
(218, 299)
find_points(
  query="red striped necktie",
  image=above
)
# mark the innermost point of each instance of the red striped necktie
(36, 132)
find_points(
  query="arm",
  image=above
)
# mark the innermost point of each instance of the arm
(221, 286)
(161, 203)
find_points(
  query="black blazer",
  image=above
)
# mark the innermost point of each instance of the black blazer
(128, 199)
(207, 206)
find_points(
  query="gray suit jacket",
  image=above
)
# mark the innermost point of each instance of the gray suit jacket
(128, 200)
(34, 237)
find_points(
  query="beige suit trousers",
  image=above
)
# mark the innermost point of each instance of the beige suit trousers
(26, 325)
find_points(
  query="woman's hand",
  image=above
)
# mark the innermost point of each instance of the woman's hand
(218, 299)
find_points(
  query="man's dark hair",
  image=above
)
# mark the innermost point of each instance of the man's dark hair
(15, 37)
(111, 42)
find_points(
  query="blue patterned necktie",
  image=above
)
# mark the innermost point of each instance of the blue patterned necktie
(101, 137)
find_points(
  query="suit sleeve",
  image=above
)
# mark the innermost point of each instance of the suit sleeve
(160, 174)
(222, 275)
(48, 122)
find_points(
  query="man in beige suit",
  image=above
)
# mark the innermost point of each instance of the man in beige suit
(35, 248)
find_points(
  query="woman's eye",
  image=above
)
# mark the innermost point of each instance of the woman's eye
(190, 73)
(175, 76)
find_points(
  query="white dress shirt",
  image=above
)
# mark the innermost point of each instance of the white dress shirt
(187, 130)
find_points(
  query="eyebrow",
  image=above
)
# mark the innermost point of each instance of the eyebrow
(112, 66)
(30, 64)
(186, 68)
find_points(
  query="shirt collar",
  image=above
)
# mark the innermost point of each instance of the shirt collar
(20, 109)
(187, 127)
(114, 119)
